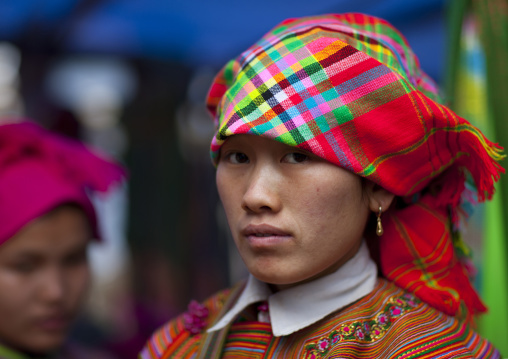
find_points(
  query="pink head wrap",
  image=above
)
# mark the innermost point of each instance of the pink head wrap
(40, 170)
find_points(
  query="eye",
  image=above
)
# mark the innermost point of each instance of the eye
(24, 267)
(295, 157)
(77, 258)
(237, 158)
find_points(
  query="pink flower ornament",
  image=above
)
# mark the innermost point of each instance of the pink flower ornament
(323, 344)
(395, 311)
(383, 319)
(194, 318)
(336, 338)
(366, 328)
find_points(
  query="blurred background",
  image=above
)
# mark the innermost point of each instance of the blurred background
(130, 78)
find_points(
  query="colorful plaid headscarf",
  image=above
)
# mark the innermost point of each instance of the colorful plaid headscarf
(349, 89)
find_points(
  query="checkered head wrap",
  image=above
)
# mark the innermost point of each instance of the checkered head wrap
(349, 89)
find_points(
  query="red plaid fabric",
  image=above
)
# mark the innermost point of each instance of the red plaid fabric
(349, 88)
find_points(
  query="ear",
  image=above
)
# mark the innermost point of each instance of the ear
(377, 196)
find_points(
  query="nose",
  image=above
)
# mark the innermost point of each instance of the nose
(262, 192)
(52, 286)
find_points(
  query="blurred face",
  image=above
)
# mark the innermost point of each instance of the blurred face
(43, 278)
(294, 216)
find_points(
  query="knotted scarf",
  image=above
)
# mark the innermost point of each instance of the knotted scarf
(349, 89)
(40, 170)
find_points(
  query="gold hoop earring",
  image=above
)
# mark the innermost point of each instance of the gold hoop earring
(379, 227)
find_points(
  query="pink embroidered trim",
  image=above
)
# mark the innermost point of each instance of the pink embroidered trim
(365, 331)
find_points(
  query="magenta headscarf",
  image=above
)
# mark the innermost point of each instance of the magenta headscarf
(40, 170)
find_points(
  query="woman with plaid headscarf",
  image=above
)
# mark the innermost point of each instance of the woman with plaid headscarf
(343, 178)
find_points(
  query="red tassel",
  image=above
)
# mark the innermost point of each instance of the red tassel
(485, 170)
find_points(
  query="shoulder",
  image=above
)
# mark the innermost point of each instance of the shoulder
(392, 323)
(181, 336)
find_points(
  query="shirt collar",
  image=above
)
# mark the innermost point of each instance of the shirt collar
(297, 307)
(8, 353)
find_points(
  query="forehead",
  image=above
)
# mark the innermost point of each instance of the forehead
(57, 233)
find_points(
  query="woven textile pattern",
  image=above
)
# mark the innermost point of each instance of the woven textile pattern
(354, 96)
(349, 89)
(388, 323)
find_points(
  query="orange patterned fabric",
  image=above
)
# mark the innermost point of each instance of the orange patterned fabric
(387, 323)
(247, 340)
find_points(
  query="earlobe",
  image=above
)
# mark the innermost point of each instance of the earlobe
(378, 197)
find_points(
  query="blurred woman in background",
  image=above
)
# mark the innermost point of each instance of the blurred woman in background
(47, 223)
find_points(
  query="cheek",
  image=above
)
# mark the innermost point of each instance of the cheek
(221, 181)
(16, 303)
(334, 206)
(15, 290)
(230, 195)
(78, 280)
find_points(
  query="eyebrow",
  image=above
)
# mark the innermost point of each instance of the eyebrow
(26, 255)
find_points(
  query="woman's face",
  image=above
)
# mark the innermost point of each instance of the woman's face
(294, 216)
(44, 275)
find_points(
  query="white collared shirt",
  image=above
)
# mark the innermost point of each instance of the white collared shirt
(297, 307)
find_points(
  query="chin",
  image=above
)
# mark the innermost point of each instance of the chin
(276, 272)
(44, 344)
(275, 278)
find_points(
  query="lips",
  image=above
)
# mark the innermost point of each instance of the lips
(263, 230)
(53, 323)
(265, 235)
